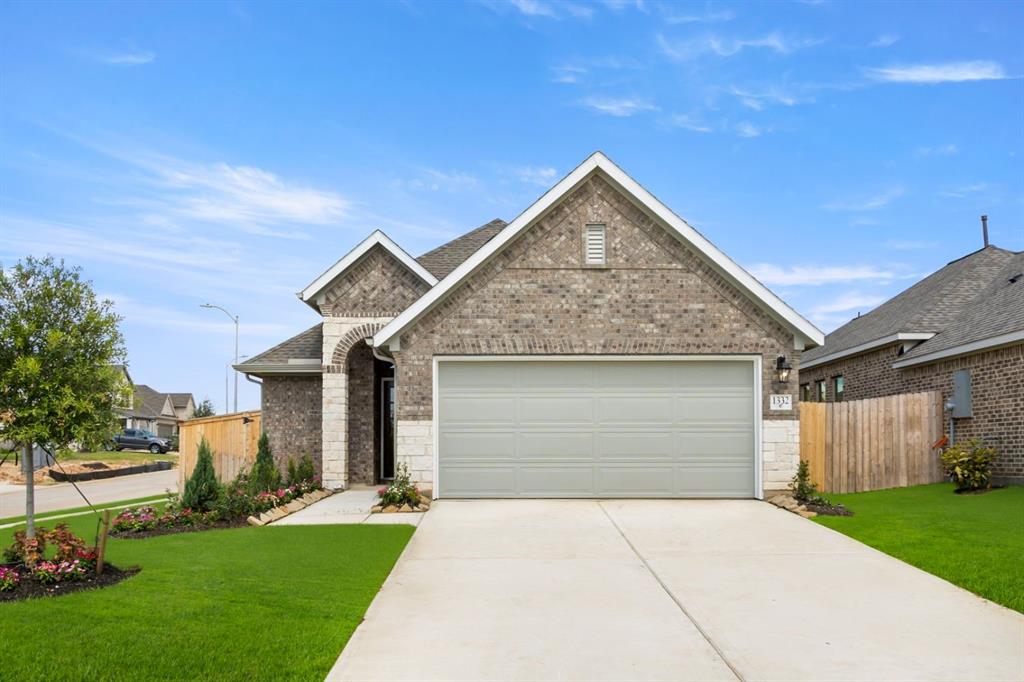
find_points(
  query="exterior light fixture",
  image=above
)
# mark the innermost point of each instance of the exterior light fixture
(782, 368)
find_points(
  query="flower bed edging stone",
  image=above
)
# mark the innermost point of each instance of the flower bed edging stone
(295, 505)
(791, 504)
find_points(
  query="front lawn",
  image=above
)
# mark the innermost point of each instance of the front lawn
(241, 604)
(974, 541)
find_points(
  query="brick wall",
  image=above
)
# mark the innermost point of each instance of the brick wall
(291, 417)
(654, 296)
(377, 285)
(997, 391)
(362, 416)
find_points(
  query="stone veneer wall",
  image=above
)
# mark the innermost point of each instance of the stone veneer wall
(291, 417)
(997, 392)
(653, 296)
(780, 452)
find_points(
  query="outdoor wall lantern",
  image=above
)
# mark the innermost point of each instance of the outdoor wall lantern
(782, 368)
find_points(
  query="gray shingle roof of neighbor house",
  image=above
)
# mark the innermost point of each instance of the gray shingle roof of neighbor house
(933, 305)
(180, 399)
(152, 401)
(998, 311)
(445, 258)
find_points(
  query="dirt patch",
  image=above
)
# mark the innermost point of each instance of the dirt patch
(828, 509)
(30, 589)
(173, 530)
(9, 473)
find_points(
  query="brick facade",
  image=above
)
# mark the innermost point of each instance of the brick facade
(377, 285)
(291, 417)
(653, 296)
(997, 391)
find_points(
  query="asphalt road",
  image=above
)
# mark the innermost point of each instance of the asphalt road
(64, 495)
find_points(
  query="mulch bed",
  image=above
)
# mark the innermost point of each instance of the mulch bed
(30, 589)
(828, 509)
(978, 491)
(218, 525)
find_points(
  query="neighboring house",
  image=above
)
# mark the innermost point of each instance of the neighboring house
(961, 325)
(596, 346)
(184, 405)
(147, 409)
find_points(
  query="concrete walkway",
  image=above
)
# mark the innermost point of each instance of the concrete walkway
(666, 590)
(350, 506)
(64, 495)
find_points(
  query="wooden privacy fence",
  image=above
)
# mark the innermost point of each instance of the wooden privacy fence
(871, 444)
(232, 438)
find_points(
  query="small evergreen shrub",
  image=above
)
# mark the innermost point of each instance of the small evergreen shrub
(265, 474)
(201, 488)
(802, 487)
(302, 471)
(969, 464)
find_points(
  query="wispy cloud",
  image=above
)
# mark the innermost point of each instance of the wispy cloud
(814, 275)
(909, 244)
(533, 8)
(758, 99)
(544, 10)
(433, 180)
(748, 129)
(687, 122)
(130, 58)
(949, 72)
(868, 203)
(848, 301)
(691, 48)
(708, 16)
(568, 74)
(543, 176)
(965, 190)
(939, 150)
(145, 314)
(619, 5)
(884, 40)
(621, 107)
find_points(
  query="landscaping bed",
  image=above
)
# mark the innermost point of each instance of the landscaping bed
(29, 588)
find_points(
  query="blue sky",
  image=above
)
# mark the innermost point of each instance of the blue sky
(231, 152)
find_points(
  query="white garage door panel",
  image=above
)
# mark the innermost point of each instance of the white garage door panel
(596, 428)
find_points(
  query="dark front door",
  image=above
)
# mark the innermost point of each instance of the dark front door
(387, 428)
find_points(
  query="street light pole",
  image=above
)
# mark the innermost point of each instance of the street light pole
(233, 318)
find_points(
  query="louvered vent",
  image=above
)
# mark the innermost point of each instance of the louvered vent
(595, 245)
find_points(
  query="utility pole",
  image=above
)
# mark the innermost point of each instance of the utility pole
(233, 318)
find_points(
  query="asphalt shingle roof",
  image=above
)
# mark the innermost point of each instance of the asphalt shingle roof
(445, 258)
(307, 345)
(932, 305)
(148, 402)
(997, 310)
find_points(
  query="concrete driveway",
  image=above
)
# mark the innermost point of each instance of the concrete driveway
(666, 590)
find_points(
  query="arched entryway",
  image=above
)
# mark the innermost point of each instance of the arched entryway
(371, 452)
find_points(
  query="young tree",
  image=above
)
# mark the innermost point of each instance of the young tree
(58, 345)
(201, 488)
(204, 409)
(265, 474)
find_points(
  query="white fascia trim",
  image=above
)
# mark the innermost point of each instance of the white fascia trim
(963, 349)
(281, 368)
(598, 161)
(377, 238)
(877, 343)
(753, 359)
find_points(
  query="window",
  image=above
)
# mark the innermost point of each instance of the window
(819, 389)
(838, 384)
(805, 393)
(594, 251)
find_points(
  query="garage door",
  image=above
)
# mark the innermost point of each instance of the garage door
(596, 429)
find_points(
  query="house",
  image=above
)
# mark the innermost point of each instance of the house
(959, 331)
(141, 407)
(596, 346)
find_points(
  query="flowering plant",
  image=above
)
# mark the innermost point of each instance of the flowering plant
(49, 572)
(402, 490)
(136, 520)
(9, 579)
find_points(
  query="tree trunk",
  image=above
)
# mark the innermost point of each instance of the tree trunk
(30, 491)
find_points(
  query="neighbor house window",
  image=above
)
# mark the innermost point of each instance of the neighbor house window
(805, 393)
(819, 390)
(594, 246)
(837, 388)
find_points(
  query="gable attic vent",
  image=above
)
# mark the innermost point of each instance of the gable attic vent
(595, 251)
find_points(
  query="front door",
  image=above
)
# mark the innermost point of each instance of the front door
(387, 428)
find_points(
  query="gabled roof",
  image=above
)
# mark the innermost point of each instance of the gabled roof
(301, 354)
(151, 402)
(377, 238)
(919, 313)
(180, 399)
(599, 163)
(994, 318)
(445, 258)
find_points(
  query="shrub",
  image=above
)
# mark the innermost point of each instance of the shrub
(25, 550)
(801, 486)
(969, 464)
(302, 471)
(202, 488)
(265, 474)
(49, 572)
(9, 579)
(402, 490)
(69, 546)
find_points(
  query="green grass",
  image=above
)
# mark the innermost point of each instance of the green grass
(114, 506)
(974, 541)
(241, 604)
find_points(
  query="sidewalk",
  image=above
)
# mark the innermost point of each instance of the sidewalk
(64, 496)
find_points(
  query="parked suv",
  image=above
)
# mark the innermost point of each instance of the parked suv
(139, 439)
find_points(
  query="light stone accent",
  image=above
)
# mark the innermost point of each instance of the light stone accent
(780, 452)
(335, 401)
(414, 447)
